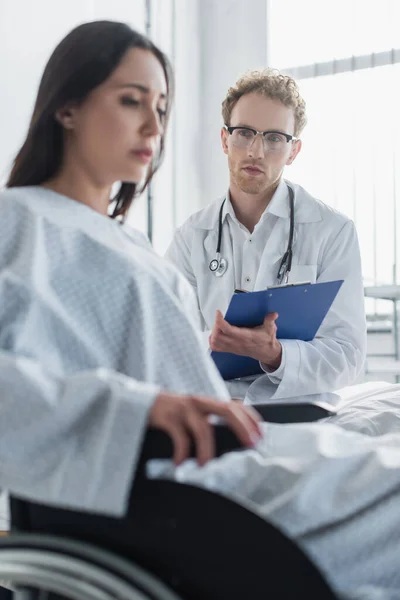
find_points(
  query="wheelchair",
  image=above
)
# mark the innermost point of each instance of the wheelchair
(175, 542)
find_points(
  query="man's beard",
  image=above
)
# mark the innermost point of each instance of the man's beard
(247, 185)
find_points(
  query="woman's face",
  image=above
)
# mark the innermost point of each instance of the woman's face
(115, 133)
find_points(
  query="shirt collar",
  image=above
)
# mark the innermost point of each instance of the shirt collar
(307, 208)
(279, 204)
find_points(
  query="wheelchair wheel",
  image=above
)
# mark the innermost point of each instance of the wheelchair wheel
(45, 567)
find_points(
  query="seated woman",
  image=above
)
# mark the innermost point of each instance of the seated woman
(97, 341)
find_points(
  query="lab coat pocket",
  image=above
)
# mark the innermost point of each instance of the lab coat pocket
(300, 273)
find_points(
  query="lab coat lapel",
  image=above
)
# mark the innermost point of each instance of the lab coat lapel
(274, 250)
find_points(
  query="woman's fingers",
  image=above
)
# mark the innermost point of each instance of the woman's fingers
(181, 441)
(244, 427)
(186, 420)
(202, 433)
(244, 423)
(254, 416)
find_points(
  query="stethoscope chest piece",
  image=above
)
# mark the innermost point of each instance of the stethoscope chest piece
(218, 266)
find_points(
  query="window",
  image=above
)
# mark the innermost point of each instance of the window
(345, 56)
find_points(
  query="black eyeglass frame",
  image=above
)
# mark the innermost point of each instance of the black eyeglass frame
(289, 138)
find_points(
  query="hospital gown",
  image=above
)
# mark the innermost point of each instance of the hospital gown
(92, 325)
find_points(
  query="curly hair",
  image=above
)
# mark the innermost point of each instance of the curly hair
(272, 84)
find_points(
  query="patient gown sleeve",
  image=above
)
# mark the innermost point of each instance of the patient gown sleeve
(179, 255)
(71, 441)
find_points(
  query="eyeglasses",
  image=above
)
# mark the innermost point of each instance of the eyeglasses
(274, 141)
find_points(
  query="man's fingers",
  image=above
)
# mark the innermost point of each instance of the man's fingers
(224, 345)
(221, 324)
(218, 344)
(225, 331)
(271, 317)
(218, 316)
(217, 333)
(221, 334)
(236, 341)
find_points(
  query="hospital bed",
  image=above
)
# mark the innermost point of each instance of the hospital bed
(176, 542)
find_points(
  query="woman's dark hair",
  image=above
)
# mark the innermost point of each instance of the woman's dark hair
(82, 61)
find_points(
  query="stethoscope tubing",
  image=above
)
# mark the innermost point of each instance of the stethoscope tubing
(218, 265)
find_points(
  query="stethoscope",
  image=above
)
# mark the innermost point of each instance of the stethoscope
(219, 265)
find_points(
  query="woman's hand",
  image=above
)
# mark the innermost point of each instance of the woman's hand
(186, 418)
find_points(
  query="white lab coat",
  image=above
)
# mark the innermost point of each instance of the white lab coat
(325, 248)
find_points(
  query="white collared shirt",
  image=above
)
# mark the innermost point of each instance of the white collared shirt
(248, 249)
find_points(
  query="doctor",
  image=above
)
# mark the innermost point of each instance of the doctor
(267, 231)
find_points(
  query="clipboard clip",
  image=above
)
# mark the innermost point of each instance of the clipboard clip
(276, 287)
(285, 285)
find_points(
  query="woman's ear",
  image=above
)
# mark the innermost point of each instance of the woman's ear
(66, 117)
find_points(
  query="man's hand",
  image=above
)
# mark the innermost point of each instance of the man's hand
(187, 418)
(257, 342)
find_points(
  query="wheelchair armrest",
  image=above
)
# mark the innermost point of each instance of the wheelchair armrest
(158, 444)
(294, 412)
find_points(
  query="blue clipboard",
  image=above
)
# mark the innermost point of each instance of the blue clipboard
(301, 309)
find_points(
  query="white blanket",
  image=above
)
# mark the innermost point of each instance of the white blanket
(372, 408)
(336, 492)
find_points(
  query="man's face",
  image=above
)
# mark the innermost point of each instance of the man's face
(255, 169)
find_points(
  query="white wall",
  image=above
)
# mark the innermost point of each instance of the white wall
(233, 40)
(210, 42)
(175, 28)
(29, 31)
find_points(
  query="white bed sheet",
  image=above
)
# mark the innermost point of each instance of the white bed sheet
(371, 408)
(336, 492)
(4, 512)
